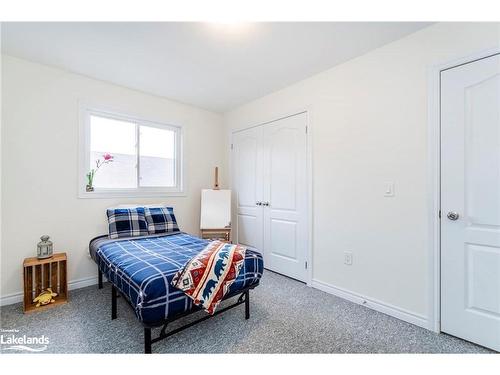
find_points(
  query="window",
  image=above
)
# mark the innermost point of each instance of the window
(146, 156)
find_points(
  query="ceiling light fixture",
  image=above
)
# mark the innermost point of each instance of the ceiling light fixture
(230, 26)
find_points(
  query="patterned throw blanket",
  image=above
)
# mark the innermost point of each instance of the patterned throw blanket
(206, 278)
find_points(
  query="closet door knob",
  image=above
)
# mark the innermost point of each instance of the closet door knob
(265, 204)
(258, 203)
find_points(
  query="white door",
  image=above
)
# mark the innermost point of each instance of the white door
(247, 184)
(470, 202)
(270, 185)
(285, 196)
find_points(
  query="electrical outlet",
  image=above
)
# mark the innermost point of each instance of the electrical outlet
(348, 258)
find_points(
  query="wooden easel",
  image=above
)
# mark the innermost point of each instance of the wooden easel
(216, 182)
(222, 234)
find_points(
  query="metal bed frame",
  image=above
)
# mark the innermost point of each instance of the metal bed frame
(244, 297)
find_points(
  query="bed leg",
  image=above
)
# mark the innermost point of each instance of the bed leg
(247, 304)
(113, 302)
(99, 275)
(147, 340)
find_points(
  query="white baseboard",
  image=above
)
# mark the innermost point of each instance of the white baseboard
(10, 299)
(371, 303)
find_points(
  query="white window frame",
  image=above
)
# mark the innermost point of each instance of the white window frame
(84, 156)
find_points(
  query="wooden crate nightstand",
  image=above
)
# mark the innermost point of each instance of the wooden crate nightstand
(40, 274)
(223, 234)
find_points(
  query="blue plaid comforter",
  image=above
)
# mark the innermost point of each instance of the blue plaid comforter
(143, 267)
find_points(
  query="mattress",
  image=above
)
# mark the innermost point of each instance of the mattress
(141, 268)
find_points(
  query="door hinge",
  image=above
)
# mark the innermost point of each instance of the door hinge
(305, 265)
(231, 146)
(439, 214)
(306, 129)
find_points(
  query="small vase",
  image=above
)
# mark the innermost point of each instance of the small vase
(89, 188)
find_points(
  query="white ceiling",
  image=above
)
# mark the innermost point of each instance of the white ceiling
(213, 66)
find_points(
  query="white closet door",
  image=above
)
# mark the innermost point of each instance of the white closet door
(247, 184)
(470, 202)
(285, 196)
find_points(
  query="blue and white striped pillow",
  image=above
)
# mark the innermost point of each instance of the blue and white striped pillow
(126, 222)
(160, 220)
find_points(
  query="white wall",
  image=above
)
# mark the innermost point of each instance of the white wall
(369, 125)
(1, 127)
(40, 159)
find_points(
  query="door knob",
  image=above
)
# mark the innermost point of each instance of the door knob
(258, 203)
(265, 204)
(452, 215)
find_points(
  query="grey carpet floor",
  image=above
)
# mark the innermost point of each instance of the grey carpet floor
(286, 317)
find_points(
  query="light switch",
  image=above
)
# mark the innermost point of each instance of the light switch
(388, 189)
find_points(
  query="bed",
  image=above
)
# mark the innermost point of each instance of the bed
(141, 269)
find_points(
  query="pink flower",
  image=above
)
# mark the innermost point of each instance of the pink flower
(107, 157)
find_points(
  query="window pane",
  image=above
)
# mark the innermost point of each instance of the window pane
(157, 157)
(119, 139)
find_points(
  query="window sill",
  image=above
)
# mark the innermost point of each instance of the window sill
(129, 194)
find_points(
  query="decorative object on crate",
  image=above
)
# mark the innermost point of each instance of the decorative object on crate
(41, 275)
(45, 298)
(44, 248)
(106, 158)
